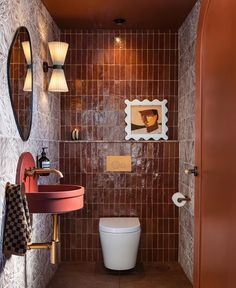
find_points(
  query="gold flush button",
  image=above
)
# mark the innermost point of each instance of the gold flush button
(118, 164)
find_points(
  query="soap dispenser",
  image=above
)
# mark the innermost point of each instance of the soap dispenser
(43, 161)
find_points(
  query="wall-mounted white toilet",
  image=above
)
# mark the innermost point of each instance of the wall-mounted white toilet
(120, 240)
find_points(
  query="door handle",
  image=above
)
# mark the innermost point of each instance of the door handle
(193, 171)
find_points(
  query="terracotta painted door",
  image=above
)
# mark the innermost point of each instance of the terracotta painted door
(215, 234)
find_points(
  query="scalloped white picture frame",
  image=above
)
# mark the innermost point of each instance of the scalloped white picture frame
(137, 131)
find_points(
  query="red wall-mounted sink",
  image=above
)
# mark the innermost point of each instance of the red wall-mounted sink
(59, 198)
(56, 199)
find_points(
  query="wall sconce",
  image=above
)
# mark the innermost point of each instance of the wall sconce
(58, 51)
(28, 79)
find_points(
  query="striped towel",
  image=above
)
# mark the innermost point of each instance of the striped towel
(17, 233)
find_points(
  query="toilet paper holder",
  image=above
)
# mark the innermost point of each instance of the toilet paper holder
(180, 200)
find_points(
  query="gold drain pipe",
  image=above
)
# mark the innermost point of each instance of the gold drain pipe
(52, 246)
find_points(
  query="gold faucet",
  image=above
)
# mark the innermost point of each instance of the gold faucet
(33, 172)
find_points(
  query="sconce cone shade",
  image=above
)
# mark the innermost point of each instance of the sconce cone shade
(28, 81)
(27, 51)
(58, 51)
(58, 81)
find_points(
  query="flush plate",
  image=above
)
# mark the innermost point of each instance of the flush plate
(118, 164)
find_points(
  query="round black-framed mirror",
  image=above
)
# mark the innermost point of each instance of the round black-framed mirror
(20, 80)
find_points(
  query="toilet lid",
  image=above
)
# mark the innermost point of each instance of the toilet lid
(119, 225)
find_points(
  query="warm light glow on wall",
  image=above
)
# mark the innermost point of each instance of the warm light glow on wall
(58, 51)
(118, 40)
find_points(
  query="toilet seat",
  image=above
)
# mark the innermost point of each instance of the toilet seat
(119, 225)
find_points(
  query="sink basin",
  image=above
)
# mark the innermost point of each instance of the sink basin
(56, 199)
(59, 198)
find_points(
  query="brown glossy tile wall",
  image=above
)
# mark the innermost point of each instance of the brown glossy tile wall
(101, 74)
(145, 193)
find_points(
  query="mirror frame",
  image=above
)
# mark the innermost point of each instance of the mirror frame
(24, 138)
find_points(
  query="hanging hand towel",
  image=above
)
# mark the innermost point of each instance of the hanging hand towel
(17, 232)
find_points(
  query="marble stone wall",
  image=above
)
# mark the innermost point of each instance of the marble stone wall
(186, 125)
(35, 269)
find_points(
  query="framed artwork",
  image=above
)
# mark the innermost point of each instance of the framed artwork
(146, 119)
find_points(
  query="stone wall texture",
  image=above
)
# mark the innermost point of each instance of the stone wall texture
(186, 125)
(35, 269)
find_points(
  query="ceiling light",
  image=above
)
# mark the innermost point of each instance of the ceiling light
(119, 21)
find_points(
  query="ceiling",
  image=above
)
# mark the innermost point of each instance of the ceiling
(140, 14)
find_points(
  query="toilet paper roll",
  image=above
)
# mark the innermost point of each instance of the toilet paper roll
(177, 196)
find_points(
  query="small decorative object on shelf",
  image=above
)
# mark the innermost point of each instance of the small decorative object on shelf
(75, 134)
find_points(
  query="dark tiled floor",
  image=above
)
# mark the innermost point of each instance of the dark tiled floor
(76, 275)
